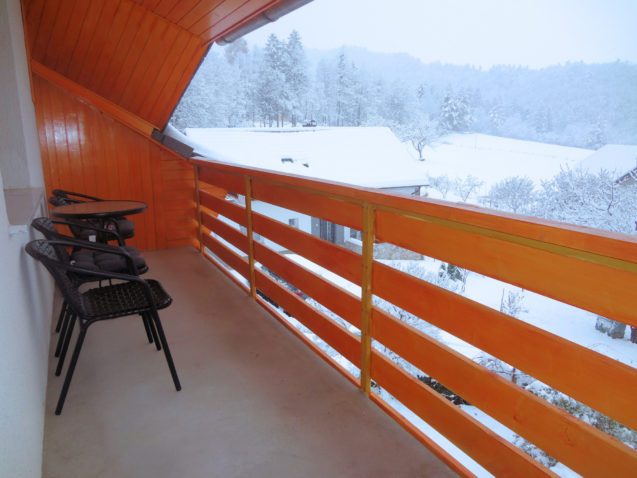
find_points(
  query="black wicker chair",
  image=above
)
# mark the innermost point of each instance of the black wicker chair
(123, 226)
(132, 296)
(89, 255)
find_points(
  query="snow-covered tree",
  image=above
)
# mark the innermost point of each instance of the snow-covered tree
(442, 184)
(596, 200)
(272, 96)
(296, 80)
(455, 113)
(515, 194)
(467, 186)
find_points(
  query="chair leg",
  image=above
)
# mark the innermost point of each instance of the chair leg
(147, 328)
(65, 326)
(169, 358)
(61, 317)
(69, 372)
(153, 331)
(65, 346)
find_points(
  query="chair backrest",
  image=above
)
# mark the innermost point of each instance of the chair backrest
(48, 230)
(61, 197)
(43, 251)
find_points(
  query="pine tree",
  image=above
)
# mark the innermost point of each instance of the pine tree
(296, 81)
(272, 96)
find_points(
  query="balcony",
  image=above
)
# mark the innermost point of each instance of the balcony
(255, 401)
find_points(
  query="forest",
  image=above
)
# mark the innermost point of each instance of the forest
(284, 84)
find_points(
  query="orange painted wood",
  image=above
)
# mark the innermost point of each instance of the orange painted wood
(229, 182)
(60, 27)
(233, 260)
(87, 151)
(245, 12)
(232, 211)
(202, 10)
(436, 449)
(221, 267)
(594, 287)
(594, 379)
(99, 102)
(337, 259)
(124, 30)
(71, 35)
(490, 450)
(579, 238)
(343, 341)
(338, 300)
(78, 52)
(578, 445)
(324, 207)
(307, 341)
(96, 42)
(227, 232)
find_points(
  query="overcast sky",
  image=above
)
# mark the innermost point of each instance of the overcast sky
(533, 33)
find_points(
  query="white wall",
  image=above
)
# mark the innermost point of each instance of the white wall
(25, 288)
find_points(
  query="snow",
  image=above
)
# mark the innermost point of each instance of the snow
(616, 158)
(493, 158)
(369, 157)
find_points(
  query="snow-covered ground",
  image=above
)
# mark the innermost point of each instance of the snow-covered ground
(493, 158)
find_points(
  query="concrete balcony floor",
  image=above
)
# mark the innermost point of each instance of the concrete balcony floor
(256, 402)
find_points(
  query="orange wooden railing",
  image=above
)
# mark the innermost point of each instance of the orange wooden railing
(590, 269)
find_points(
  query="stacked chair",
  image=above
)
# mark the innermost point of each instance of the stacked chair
(125, 228)
(74, 263)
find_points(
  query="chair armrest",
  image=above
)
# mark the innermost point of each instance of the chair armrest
(63, 192)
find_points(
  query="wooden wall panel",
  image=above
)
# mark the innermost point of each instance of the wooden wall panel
(87, 151)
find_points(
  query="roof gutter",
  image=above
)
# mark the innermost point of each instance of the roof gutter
(268, 16)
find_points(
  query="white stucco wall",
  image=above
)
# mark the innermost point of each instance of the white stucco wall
(26, 289)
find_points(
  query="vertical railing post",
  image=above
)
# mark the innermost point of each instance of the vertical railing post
(367, 259)
(199, 229)
(248, 196)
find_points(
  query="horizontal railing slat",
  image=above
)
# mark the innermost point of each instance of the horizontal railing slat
(234, 261)
(230, 210)
(571, 441)
(592, 286)
(594, 379)
(226, 231)
(343, 341)
(612, 244)
(339, 301)
(337, 259)
(321, 206)
(228, 181)
(493, 452)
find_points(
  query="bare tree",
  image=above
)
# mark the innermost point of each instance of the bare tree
(467, 186)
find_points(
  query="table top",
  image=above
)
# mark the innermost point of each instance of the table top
(91, 209)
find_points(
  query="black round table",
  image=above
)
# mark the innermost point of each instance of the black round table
(98, 209)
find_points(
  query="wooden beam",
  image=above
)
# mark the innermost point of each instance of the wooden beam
(367, 261)
(105, 106)
(248, 200)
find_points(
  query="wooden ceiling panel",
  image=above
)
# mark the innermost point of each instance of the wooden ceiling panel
(138, 54)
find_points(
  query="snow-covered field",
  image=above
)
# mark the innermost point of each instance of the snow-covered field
(493, 158)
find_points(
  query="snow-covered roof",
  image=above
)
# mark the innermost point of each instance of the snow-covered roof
(616, 158)
(493, 158)
(370, 157)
